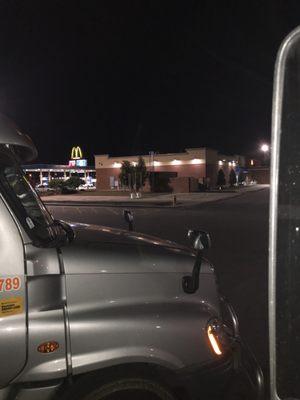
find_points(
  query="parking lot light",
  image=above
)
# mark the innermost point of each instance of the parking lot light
(265, 148)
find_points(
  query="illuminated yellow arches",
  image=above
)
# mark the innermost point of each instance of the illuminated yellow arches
(76, 153)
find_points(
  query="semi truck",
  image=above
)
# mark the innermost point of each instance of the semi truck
(91, 312)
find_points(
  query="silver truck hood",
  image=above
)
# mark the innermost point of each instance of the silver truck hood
(100, 249)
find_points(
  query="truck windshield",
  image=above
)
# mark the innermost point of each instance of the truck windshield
(23, 200)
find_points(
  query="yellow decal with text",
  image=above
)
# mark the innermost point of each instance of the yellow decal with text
(11, 306)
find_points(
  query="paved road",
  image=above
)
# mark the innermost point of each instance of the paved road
(239, 229)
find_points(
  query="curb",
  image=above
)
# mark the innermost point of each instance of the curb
(105, 204)
(166, 205)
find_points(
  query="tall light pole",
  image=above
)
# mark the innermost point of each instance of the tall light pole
(151, 164)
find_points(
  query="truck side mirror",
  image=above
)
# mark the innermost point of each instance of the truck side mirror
(284, 271)
(128, 216)
(200, 239)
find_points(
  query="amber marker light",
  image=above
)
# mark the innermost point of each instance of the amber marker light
(48, 347)
(213, 341)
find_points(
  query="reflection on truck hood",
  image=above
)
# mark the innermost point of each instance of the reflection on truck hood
(99, 249)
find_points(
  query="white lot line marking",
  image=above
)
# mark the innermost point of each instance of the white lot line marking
(100, 210)
(114, 210)
(103, 210)
(147, 211)
(136, 211)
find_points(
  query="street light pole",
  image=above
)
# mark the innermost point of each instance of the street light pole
(151, 162)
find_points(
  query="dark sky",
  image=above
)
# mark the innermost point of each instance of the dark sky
(129, 77)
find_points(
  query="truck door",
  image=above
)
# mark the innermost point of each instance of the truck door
(284, 248)
(13, 329)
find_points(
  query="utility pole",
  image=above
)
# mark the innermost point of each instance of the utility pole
(151, 165)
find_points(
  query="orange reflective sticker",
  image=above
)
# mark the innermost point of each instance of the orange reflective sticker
(11, 306)
(48, 347)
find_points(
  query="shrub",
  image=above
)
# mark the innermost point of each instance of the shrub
(232, 177)
(241, 177)
(56, 183)
(221, 181)
(73, 182)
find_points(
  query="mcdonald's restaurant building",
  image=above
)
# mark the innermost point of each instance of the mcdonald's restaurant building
(42, 174)
(185, 170)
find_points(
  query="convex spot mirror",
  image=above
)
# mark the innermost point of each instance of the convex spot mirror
(128, 216)
(200, 240)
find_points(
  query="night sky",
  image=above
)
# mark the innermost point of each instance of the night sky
(129, 77)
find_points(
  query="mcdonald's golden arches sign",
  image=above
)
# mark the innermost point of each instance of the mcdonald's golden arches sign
(76, 153)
